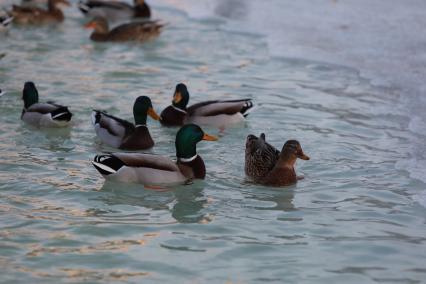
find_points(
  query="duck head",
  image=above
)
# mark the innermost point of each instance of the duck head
(143, 107)
(290, 152)
(99, 24)
(29, 94)
(138, 2)
(181, 96)
(253, 142)
(187, 138)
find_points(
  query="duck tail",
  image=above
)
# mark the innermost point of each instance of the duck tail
(247, 108)
(96, 116)
(107, 164)
(83, 7)
(61, 113)
(6, 19)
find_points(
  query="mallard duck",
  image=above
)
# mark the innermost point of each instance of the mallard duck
(266, 165)
(114, 10)
(42, 114)
(216, 113)
(122, 134)
(5, 20)
(35, 15)
(153, 169)
(136, 31)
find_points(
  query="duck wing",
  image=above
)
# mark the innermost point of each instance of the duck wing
(138, 31)
(114, 125)
(260, 156)
(92, 4)
(211, 108)
(147, 161)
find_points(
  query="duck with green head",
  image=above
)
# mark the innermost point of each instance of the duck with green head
(266, 165)
(42, 114)
(219, 113)
(150, 169)
(122, 134)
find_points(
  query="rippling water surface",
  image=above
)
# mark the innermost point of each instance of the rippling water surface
(354, 218)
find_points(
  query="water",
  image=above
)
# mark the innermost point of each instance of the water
(357, 217)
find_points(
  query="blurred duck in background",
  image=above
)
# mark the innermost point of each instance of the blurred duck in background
(115, 10)
(136, 31)
(25, 15)
(5, 20)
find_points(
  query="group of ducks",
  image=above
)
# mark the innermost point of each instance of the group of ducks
(137, 27)
(264, 164)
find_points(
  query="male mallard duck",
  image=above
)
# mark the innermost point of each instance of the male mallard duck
(122, 134)
(266, 165)
(153, 169)
(217, 113)
(5, 20)
(136, 31)
(114, 10)
(35, 15)
(42, 114)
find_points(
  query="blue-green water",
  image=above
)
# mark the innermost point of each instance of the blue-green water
(352, 219)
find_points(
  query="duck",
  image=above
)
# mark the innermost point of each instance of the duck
(264, 164)
(115, 10)
(219, 113)
(38, 16)
(46, 114)
(5, 20)
(135, 31)
(2, 92)
(150, 169)
(122, 134)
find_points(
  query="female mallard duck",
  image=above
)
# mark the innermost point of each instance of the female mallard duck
(5, 20)
(35, 15)
(216, 113)
(114, 10)
(136, 31)
(122, 134)
(42, 114)
(266, 165)
(153, 169)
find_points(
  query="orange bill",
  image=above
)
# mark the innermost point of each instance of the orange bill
(303, 156)
(90, 25)
(177, 97)
(208, 137)
(153, 114)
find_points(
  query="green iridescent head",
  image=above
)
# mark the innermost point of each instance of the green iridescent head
(187, 138)
(141, 108)
(29, 94)
(181, 96)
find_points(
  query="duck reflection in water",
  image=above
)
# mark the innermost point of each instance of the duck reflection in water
(282, 199)
(186, 203)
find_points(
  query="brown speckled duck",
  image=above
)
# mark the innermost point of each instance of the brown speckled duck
(135, 31)
(115, 10)
(38, 16)
(120, 133)
(266, 165)
(150, 169)
(214, 113)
